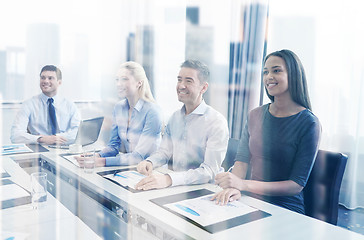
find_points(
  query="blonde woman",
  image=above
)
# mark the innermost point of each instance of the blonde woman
(137, 120)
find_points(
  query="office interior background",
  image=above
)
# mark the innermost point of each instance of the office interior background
(88, 40)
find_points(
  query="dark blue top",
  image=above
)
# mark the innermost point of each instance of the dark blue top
(279, 149)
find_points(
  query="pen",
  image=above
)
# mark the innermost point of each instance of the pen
(230, 168)
(87, 155)
(187, 209)
(119, 175)
(138, 174)
(9, 148)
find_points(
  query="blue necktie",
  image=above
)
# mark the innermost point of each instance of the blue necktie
(52, 116)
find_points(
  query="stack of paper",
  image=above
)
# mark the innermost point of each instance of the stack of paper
(126, 178)
(15, 148)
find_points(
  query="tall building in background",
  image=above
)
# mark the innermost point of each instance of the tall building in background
(12, 64)
(140, 48)
(2, 73)
(199, 44)
(193, 15)
(42, 48)
(130, 47)
(199, 40)
(76, 69)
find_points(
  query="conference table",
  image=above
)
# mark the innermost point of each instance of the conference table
(84, 205)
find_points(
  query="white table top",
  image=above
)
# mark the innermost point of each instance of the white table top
(53, 221)
(56, 221)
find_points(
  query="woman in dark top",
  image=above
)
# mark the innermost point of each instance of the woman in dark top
(280, 140)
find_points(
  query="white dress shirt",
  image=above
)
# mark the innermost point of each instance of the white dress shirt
(196, 143)
(32, 120)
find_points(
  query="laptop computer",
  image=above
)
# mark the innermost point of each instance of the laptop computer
(88, 132)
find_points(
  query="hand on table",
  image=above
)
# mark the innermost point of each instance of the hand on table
(154, 181)
(52, 139)
(145, 167)
(99, 161)
(227, 195)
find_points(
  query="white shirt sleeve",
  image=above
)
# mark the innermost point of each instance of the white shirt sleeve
(19, 132)
(164, 152)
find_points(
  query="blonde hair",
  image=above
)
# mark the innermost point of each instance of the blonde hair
(139, 74)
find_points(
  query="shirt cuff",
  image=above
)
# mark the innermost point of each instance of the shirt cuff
(155, 164)
(108, 152)
(178, 178)
(34, 139)
(112, 161)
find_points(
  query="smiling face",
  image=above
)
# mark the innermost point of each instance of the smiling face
(49, 83)
(275, 77)
(126, 84)
(189, 88)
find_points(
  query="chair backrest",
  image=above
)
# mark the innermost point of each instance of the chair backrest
(230, 153)
(321, 193)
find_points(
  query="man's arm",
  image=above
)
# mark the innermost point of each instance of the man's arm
(51, 139)
(19, 132)
(164, 152)
(158, 158)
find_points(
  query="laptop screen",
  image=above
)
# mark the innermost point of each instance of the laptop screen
(88, 131)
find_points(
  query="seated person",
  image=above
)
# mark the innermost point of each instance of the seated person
(280, 140)
(137, 120)
(48, 117)
(195, 139)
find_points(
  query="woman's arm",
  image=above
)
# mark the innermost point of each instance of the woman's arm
(236, 179)
(280, 188)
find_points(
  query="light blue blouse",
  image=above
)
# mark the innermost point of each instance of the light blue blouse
(131, 144)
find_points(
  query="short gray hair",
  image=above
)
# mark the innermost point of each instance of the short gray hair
(203, 70)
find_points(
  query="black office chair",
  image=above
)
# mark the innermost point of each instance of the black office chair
(321, 193)
(230, 153)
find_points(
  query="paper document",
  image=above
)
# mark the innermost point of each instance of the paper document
(206, 212)
(126, 178)
(13, 235)
(15, 148)
(12, 191)
(72, 159)
(3, 173)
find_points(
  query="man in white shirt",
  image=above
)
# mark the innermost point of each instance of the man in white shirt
(195, 138)
(46, 118)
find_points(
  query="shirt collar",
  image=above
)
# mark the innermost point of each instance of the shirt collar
(200, 110)
(45, 98)
(138, 106)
